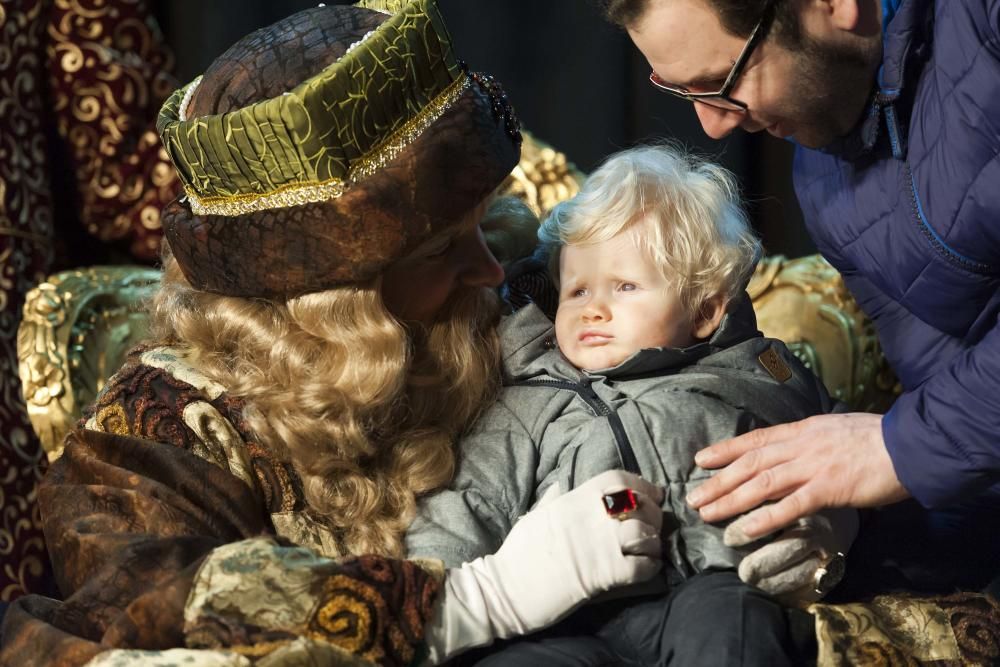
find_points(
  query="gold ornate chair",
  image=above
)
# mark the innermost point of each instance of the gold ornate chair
(76, 329)
(805, 303)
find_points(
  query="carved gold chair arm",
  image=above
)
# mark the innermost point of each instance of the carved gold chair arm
(77, 327)
(805, 303)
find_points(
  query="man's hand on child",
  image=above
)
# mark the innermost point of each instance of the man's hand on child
(836, 460)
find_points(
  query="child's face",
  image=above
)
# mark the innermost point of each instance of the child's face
(614, 302)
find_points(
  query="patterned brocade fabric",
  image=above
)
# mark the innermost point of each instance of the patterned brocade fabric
(528, 281)
(80, 84)
(370, 607)
(108, 74)
(903, 631)
(158, 395)
(177, 538)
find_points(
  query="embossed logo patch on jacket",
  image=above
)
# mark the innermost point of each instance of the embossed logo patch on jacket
(775, 365)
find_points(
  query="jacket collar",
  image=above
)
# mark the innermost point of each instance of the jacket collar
(889, 8)
(906, 32)
(906, 27)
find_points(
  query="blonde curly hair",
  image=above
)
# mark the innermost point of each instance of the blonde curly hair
(366, 409)
(687, 211)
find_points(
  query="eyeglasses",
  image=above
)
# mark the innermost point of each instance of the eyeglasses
(720, 98)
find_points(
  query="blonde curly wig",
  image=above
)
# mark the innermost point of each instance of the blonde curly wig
(366, 409)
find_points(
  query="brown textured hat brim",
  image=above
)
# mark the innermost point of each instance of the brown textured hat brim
(428, 187)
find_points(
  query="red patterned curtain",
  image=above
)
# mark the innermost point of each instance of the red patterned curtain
(81, 82)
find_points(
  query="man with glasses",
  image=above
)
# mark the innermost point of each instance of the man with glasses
(777, 77)
(894, 106)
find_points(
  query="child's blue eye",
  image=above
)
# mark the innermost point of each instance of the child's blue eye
(629, 287)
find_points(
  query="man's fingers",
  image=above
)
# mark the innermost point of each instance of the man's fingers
(773, 479)
(725, 452)
(754, 463)
(769, 518)
(735, 534)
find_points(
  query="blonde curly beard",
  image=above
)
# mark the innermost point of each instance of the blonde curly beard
(366, 411)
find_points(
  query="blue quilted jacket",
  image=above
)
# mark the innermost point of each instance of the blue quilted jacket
(908, 209)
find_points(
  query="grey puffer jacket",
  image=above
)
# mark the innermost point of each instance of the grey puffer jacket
(555, 424)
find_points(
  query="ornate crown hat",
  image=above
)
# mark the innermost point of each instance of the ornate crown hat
(318, 150)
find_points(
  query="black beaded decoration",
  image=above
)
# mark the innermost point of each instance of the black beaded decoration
(501, 105)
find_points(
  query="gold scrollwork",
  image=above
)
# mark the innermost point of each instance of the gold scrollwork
(108, 87)
(76, 330)
(71, 59)
(543, 177)
(806, 303)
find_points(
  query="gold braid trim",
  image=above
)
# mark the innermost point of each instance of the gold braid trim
(292, 194)
(383, 6)
(388, 150)
(296, 194)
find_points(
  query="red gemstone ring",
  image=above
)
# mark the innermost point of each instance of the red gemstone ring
(620, 504)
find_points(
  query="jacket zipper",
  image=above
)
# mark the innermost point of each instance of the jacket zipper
(602, 409)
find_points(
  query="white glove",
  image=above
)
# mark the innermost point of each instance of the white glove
(555, 557)
(786, 567)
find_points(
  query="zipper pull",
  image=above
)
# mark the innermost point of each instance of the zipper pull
(896, 138)
(870, 126)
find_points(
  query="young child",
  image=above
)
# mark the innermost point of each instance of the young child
(654, 354)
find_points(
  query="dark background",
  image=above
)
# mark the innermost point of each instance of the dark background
(576, 82)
